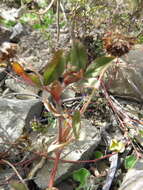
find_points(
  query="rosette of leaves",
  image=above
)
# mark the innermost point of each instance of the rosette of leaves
(63, 69)
(117, 44)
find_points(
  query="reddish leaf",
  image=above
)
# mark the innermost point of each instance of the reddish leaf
(56, 90)
(72, 76)
(17, 68)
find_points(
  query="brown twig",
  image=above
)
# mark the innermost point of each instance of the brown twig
(58, 20)
(73, 161)
(17, 173)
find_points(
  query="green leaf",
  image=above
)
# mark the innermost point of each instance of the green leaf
(16, 185)
(81, 176)
(98, 154)
(55, 68)
(48, 19)
(8, 23)
(141, 133)
(130, 161)
(37, 26)
(97, 66)
(76, 124)
(36, 79)
(28, 17)
(78, 55)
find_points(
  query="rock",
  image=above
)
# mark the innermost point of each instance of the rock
(134, 178)
(10, 14)
(79, 150)
(128, 82)
(12, 34)
(21, 87)
(14, 116)
(17, 31)
(10, 3)
(5, 33)
(35, 50)
(3, 74)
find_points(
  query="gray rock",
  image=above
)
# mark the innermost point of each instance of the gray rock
(3, 74)
(15, 115)
(12, 34)
(5, 33)
(17, 31)
(135, 56)
(10, 14)
(35, 50)
(79, 150)
(21, 87)
(128, 82)
(134, 178)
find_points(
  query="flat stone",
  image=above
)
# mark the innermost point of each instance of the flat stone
(17, 32)
(12, 34)
(10, 14)
(5, 34)
(3, 74)
(128, 82)
(82, 149)
(21, 87)
(134, 178)
(15, 115)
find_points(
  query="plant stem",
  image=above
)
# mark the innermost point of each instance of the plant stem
(58, 153)
(60, 123)
(54, 170)
(17, 173)
(77, 161)
(58, 20)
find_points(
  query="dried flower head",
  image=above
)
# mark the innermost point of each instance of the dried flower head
(7, 51)
(117, 44)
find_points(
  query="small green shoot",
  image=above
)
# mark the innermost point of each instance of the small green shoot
(130, 161)
(76, 124)
(55, 68)
(98, 154)
(81, 176)
(141, 133)
(43, 128)
(28, 17)
(140, 39)
(8, 23)
(16, 185)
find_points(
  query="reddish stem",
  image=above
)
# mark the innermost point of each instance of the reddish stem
(78, 161)
(60, 130)
(54, 170)
(58, 153)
